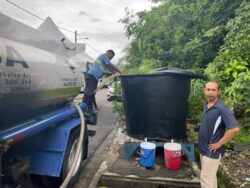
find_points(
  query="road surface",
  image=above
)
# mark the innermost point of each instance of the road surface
(99, 143)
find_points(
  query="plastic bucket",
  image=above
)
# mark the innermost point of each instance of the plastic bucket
(172, 155)
(147, 154)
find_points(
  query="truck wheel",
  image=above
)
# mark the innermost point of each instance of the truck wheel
(85, 143)
(70, 154)
(47, 181)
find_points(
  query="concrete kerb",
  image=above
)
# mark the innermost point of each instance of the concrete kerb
(102, 168)
(106, 156)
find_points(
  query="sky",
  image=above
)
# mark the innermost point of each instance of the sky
(95, 20)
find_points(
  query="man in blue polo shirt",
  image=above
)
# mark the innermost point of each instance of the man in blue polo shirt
(219, 126)
(98, 69)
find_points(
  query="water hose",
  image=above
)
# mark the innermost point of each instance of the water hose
(106, 80)
(103, 83)
(78, 149)
(79, 145)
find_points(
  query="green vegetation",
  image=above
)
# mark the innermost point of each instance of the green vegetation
(231, 66)
(118, 106)
(210, 37)
(178, 33)
(196, 100)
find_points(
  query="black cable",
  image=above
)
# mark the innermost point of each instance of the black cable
(63, 28)
(25, 10)
(88, 43)
(36, 15)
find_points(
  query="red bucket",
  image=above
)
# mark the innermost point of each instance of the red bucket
(172, 155)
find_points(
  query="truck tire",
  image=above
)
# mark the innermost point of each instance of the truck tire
(48, 181)
(85, 143)
(70, 153)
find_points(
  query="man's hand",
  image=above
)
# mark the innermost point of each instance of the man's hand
(229, 134)
(112, 68)
(214, 147)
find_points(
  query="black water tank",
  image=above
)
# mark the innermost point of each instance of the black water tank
(156, 103)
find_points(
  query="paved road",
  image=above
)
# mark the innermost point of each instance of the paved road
(106, 123)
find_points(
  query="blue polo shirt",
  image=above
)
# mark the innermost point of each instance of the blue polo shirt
(215, 121)
(100, 66)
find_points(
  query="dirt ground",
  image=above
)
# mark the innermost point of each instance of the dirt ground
(237, 166)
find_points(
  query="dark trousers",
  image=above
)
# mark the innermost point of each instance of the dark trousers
(94, 101)
(90, 86)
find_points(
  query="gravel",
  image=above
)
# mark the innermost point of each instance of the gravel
(237, 165)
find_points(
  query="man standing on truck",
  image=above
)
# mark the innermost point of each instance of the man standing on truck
(219, 126)
(99, 68)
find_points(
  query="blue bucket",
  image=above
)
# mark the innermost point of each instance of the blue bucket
(147, 154)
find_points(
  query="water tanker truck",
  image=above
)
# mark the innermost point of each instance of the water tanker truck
(39, 127)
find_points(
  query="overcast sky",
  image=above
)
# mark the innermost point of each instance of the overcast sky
(96, 20)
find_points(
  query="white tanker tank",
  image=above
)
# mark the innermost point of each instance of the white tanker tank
(39, 70)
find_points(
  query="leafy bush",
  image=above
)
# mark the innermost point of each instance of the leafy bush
(118, 106)
(196, 100)
(231, 66)
(241, 138)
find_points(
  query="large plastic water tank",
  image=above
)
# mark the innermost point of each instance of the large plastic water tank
(156, 103)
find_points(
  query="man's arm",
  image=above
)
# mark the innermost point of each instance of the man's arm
(229, 135)
(112, 68)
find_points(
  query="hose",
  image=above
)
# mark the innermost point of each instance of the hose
(105, 81)
(78, 149)
(79, 145)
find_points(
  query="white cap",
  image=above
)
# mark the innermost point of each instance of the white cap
(147, 145)
(172, 146)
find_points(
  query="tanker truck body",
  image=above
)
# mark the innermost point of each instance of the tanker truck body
(36, 71)
(39, 78)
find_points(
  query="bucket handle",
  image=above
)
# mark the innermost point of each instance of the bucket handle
(145, 157)
(181, 154)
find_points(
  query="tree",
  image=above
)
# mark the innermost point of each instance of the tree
(180, 33)
(231, 65)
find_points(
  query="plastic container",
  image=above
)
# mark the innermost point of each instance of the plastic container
(172, 155)
(147, 154)
(156, 104)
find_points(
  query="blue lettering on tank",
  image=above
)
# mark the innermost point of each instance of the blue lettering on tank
(14, 57)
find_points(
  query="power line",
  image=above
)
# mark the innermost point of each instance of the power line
(87, 43)
(63, 28)
(25, 10)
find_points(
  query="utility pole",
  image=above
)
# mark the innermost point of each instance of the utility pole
(75, 36)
